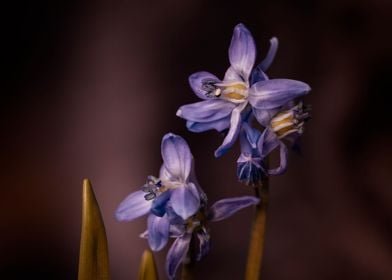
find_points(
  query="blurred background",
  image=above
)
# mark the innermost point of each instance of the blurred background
(90, 87)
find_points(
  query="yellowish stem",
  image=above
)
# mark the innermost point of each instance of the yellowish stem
(257, 238)
(187, 271)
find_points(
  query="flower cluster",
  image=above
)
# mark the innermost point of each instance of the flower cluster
(175, 203)
(177, 206)
(244, 94)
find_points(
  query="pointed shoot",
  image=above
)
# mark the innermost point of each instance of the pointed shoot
(93, 258)
(148, 269)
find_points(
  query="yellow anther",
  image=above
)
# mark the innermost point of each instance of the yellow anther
(234, 95)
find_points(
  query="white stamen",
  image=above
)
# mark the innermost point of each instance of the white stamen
(282, 125)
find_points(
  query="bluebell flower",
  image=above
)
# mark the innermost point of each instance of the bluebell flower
(284, 128)
(193, 232)
(225, 101)
(289, 124)
(176, 184)
(250, 164)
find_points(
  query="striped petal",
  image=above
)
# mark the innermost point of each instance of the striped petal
(198, 81)
(176, 156)
(185, 200)
(219, 125)
(274, 93)
(206, 111)
(235, 125)
(133, 206)
(158, 232)
(283, 161)
(225, 208)
(176, 255)
(242, 51)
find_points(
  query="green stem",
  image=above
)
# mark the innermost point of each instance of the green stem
(256, 247)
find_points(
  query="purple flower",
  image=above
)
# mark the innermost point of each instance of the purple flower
(225, 101)
(285, 126)
(193, 232)
(250, 164)
(174, 185)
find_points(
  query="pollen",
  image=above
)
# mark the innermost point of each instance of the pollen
(235, 92)
(234, 95)
(217, 92)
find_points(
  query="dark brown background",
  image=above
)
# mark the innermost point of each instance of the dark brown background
(91, 87)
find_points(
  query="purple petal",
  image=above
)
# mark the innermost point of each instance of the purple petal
(206, 111)
(266, 63)
(176, 254)
(200, 191)
(218, 125)
(197, 80)
(176, 156)
(185, 200)
(224, 208)
(257, 76)
(274, 93)
(250, 172)
(248, 139)
(264, 116)
(158, 206)
(203, 240)
(267, 142)
(164, 174)
(172, 215)
(232, 75)
(242, 51)
(246, 147)
(177, 230)
(133, 206)
(235, 125)
(283, 161)
(158, 232)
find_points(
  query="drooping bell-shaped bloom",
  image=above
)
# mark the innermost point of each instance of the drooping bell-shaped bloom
(285, 126)
(225, 102)
(193, 232)
(290, 123)
(250, 164)
(174, 185)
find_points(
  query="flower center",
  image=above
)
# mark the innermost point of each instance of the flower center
(236, 92)
(290, 121)
(196, 221)
(152, 187)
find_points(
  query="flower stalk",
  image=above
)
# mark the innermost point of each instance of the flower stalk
(187, 272)
(189, 264)
(257, 238)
